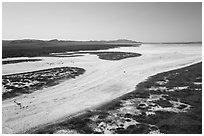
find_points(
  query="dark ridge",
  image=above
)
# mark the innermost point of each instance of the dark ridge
(19, 61)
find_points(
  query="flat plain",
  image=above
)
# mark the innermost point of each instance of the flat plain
(97, 77)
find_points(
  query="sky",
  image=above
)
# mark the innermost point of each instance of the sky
(146, 22)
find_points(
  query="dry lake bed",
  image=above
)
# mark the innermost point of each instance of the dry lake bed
(152, 88)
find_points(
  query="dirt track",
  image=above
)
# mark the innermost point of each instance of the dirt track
(103, 81)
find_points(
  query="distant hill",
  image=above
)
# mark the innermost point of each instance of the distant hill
(62, 42)
(33, 48)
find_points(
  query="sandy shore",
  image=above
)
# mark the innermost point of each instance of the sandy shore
(103, 81)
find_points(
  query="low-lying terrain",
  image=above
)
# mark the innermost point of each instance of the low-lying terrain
(33, 48)
(169, 102)
(22, 83)
(19, 61)
(101, 55)
(102, 82)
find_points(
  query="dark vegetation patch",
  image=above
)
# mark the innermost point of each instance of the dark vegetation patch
(180, 124)
(163, 103)
(33, 48)
(19, 61)
(134, 129)
(22, 83)
(79, 123)
(189, 122)
(169, 122)
(102, 55)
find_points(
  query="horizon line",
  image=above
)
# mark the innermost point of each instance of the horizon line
(91, 40)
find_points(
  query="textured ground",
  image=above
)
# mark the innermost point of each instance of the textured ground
(25, 83)
(103, 81)
(169, 103)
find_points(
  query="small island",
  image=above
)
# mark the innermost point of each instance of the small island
(23, 83)
(102, 55)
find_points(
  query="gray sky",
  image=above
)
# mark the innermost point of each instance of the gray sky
(103, 21)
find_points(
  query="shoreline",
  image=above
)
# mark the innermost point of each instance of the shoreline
(101, 106)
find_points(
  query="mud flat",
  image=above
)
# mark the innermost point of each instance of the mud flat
(169, 102)
(103, 81)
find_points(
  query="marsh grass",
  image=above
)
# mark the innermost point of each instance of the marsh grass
(23, 83)
(169, 122)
